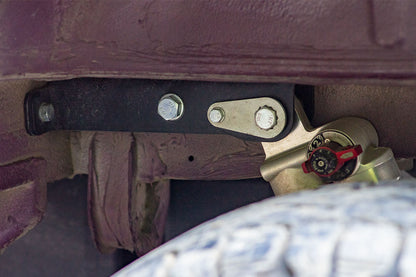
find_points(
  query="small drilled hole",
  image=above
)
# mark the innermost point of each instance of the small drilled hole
(191, 158)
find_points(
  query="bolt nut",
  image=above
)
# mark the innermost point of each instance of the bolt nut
(46, 112)
(216, 115)
(170, 107)
(266, 118)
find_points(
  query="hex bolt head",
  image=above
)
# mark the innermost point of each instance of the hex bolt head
(266, 118)
(170, 107)
(46, 112)
(216, 115)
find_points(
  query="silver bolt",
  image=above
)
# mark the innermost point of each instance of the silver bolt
(216, 115)
(266, 118)
(170, 107)
(46, 112)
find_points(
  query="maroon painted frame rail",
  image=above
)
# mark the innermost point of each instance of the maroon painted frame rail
(304, 41)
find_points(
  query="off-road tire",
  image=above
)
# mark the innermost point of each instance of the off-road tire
(338, 230)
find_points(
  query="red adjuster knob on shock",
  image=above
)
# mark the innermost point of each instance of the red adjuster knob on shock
(325, 162)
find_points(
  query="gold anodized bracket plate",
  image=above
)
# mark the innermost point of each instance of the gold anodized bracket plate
(240, 116)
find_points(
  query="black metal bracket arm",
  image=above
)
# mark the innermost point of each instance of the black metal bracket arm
(132, 105)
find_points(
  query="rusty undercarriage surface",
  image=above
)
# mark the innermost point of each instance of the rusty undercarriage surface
(360, 55)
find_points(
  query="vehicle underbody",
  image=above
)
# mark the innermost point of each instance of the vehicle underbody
(349, 58)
